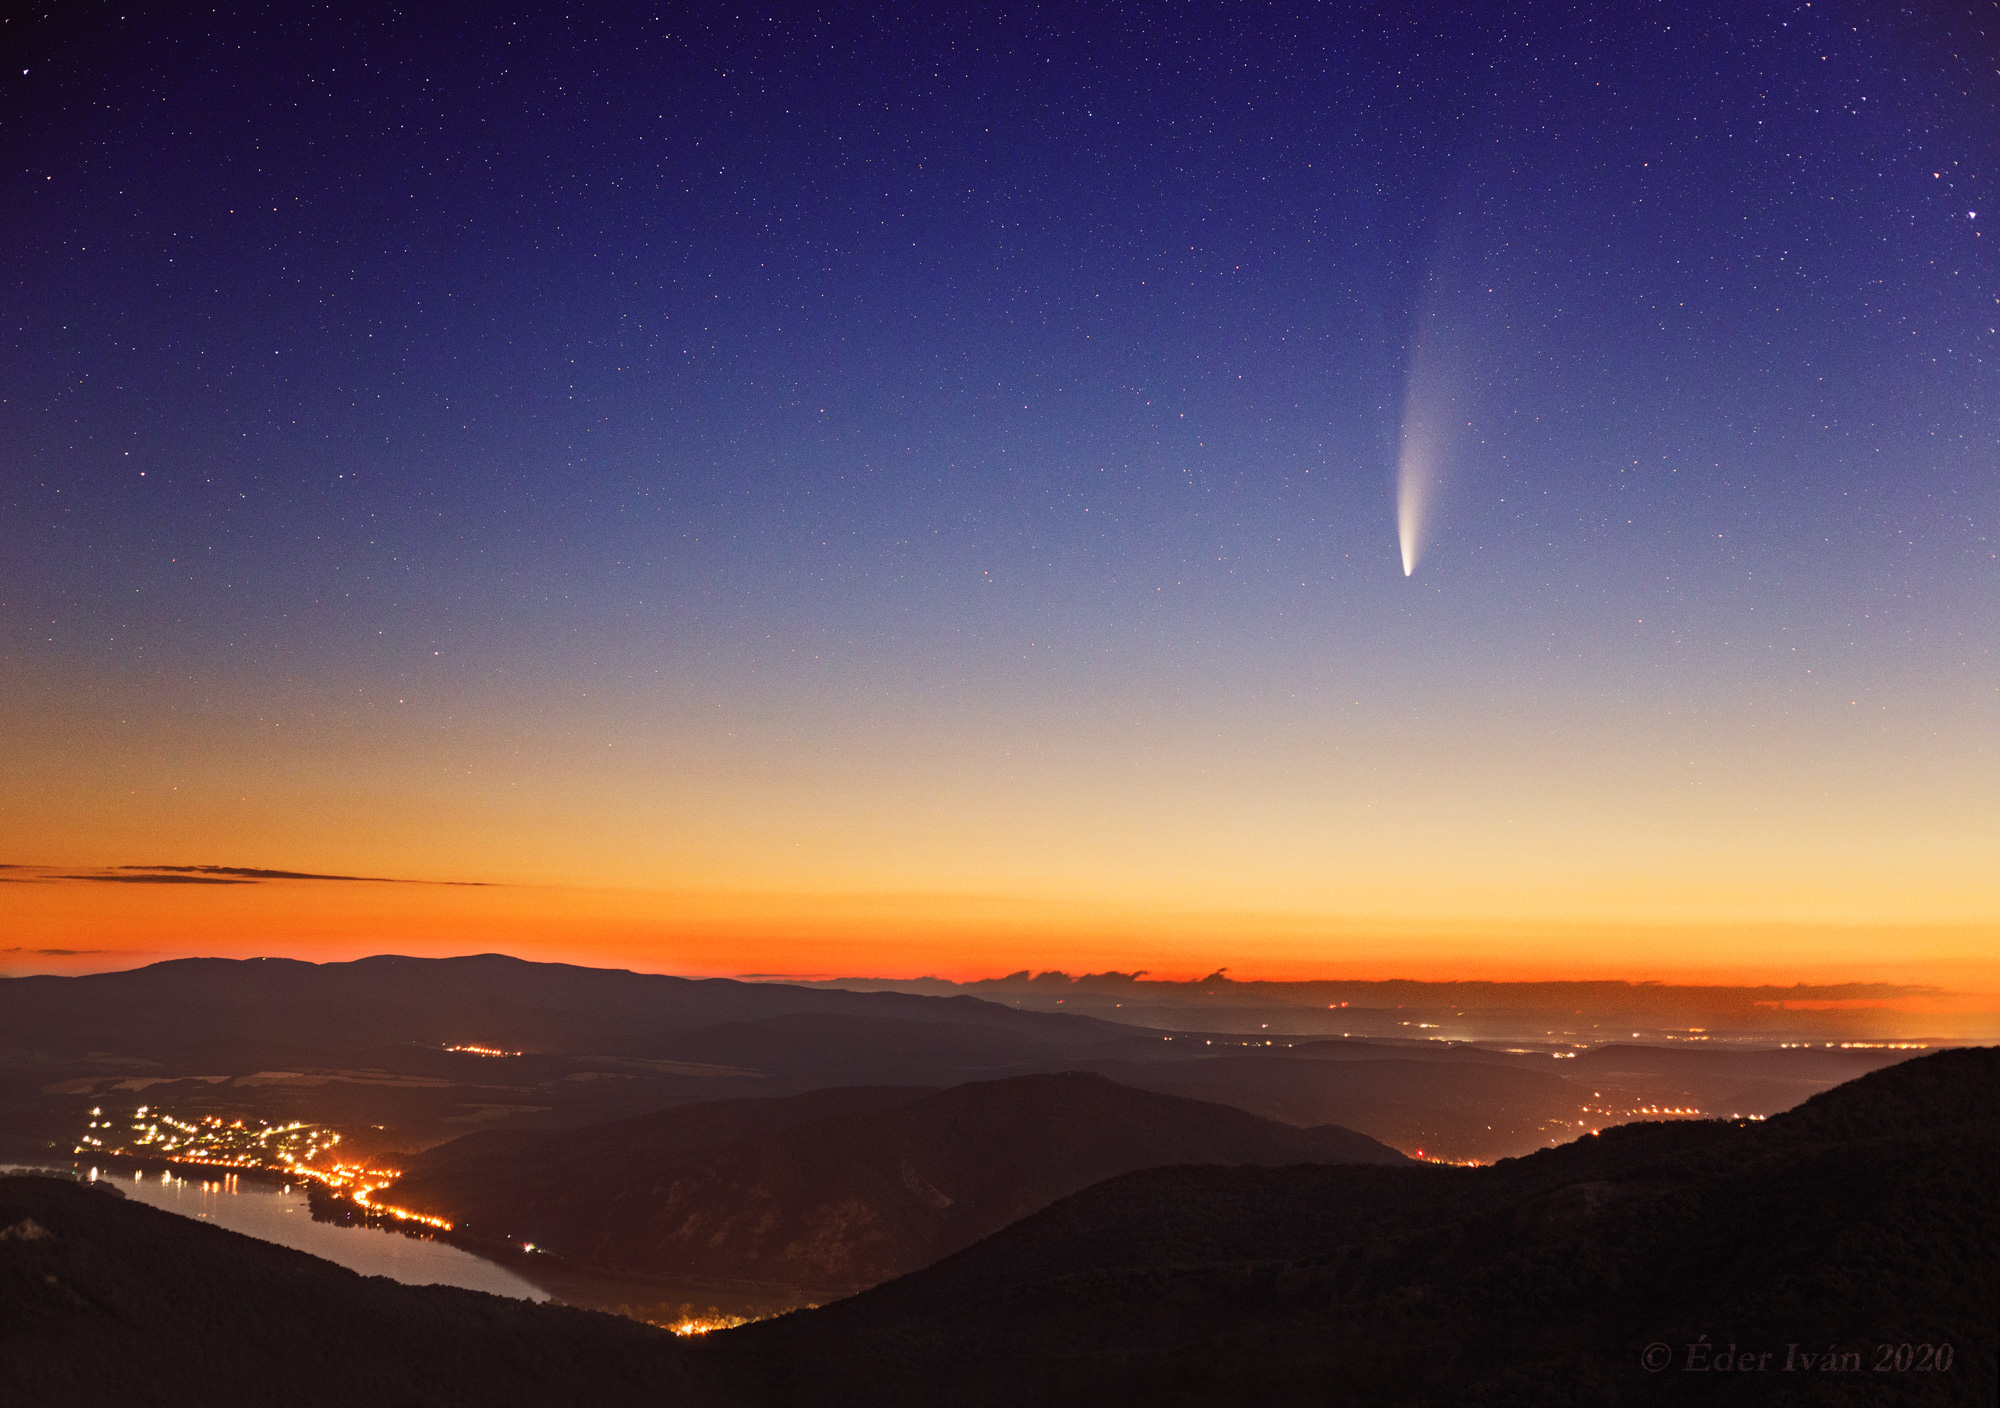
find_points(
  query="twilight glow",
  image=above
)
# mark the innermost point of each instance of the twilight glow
(920, 508)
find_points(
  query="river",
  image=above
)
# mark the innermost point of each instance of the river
(279, 1213)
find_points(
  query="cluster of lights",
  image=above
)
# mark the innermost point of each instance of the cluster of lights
(210, 1140)
(689, 1327)
(297, 1150)
(1855, 1045)
(360, 1183)
(1210, 1041)
(469, 1050)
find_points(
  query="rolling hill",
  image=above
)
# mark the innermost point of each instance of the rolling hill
(107, 1301)
(836, 1189)
(364, 1045)
(209, 1009)
(1866, 1220)
(1461, 1109)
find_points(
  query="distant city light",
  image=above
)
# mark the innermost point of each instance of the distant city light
(290, 1149)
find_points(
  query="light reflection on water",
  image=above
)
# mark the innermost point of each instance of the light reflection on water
(281, 1215)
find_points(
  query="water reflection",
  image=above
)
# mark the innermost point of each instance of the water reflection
(280, 1214)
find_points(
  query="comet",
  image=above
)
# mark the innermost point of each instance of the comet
(1428, 414)
(1433, 424)
(1415, 470)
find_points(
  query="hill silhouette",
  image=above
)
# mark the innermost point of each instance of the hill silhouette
(364, 1044)
(209, 1008)
(1474, 1107)
(1867, 1217)
(836, 1189)
(107, 1301)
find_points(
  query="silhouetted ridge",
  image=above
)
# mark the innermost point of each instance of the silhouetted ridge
(1870, 1217)
(125, 1304)
(203, 1008)
(837, 1188)
(1445, 1108)
(1946, 1089)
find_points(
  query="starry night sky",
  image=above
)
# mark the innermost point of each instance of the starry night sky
(952, 457)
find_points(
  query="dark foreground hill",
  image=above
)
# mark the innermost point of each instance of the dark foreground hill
(104, 1301)
(837, 1189)
(1866, 1220)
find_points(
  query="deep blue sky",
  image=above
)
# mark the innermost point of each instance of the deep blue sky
(886, 393)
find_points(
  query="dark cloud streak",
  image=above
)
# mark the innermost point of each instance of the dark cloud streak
(253, 873)
(239, 875)
(157, 879)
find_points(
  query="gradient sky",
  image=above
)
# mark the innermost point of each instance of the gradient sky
(919, 488)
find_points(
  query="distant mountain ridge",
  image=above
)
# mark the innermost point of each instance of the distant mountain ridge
(839, 1188)
(1222, 1003)
(196, 1005)
(332, 1043)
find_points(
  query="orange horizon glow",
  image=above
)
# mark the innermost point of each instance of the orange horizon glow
(741, 827)
(101, 926)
